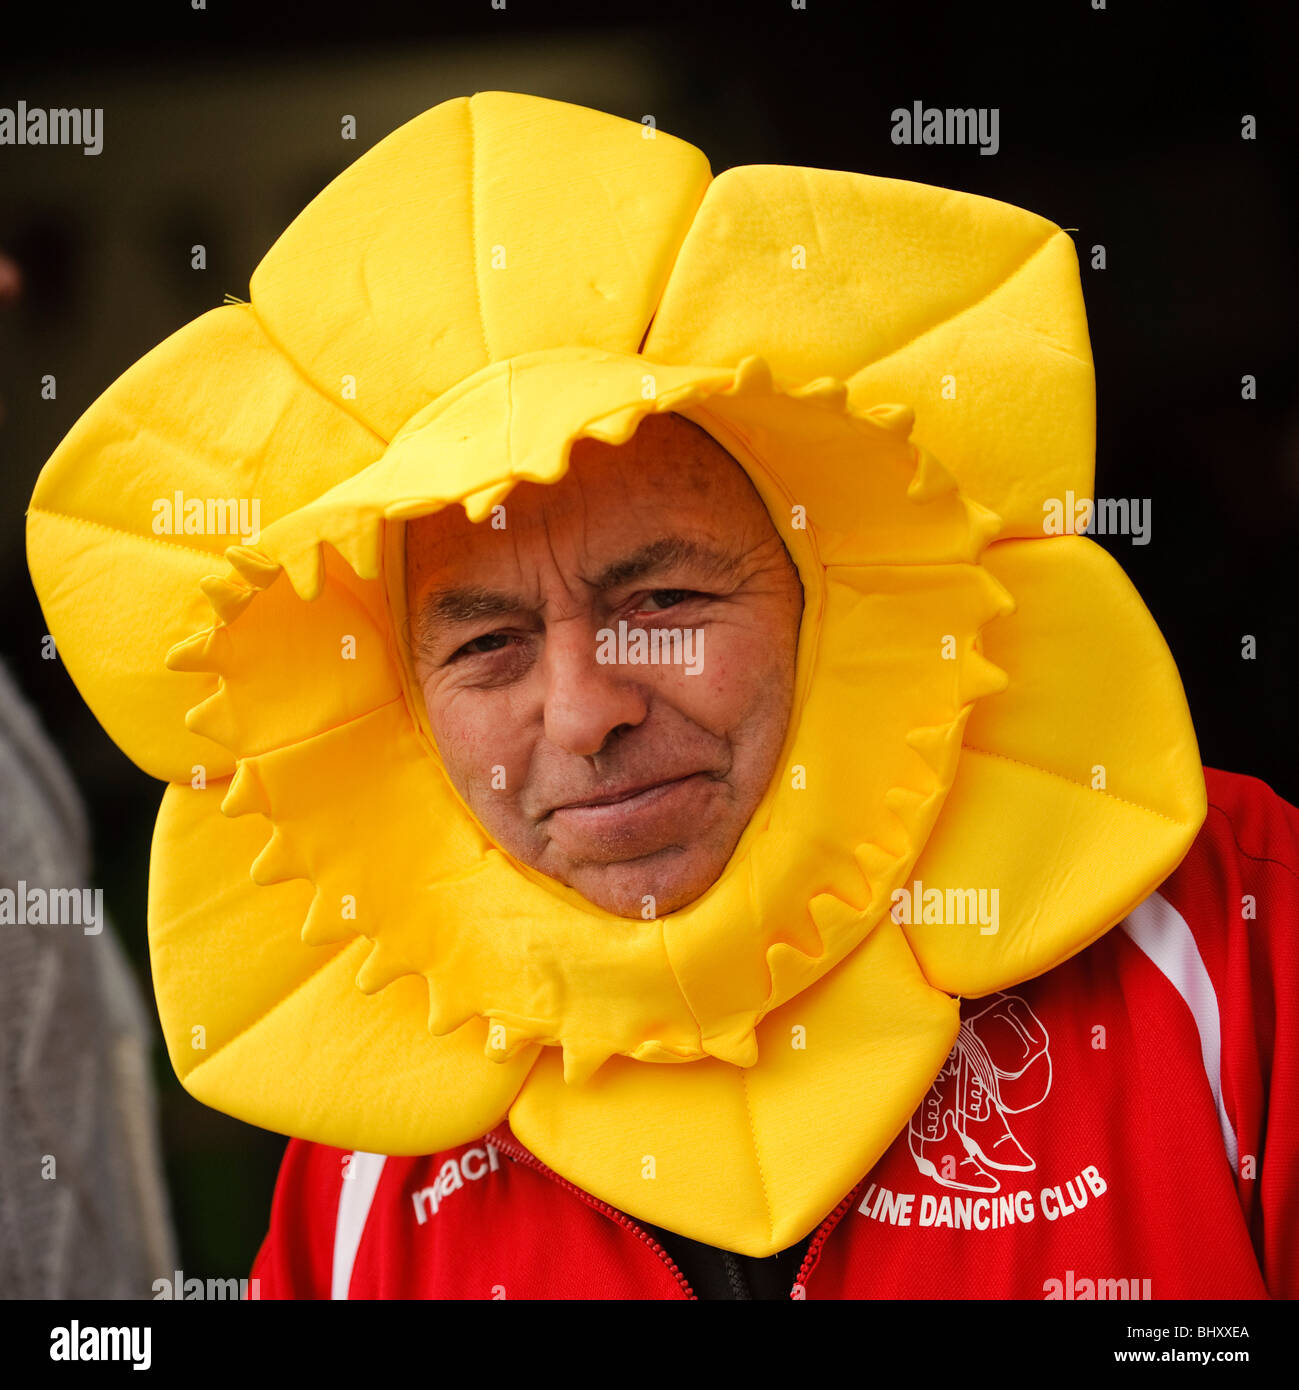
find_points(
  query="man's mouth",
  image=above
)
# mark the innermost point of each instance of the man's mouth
(634, 820)
(622, 794)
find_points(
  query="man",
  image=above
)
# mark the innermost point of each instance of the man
(628, 781)
(650, 807)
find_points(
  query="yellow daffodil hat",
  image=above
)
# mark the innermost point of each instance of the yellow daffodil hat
(340, 951)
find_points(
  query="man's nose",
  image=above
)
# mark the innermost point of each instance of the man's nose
(586, 699)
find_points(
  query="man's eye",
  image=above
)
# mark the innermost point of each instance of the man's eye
(670, 597)
(473, 649)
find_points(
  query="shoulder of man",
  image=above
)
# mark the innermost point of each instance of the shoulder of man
(1225, 925)
(322, 1197)
(1238, 886)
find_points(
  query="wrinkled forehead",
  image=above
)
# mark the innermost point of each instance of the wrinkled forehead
(670, 486)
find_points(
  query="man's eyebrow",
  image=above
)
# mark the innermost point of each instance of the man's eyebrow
(663, 554)
(466, 604)
(472, 602)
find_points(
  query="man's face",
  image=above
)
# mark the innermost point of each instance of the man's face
(619, 779)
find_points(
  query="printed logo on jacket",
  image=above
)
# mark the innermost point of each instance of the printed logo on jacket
(472, 1165)
(962, 1135)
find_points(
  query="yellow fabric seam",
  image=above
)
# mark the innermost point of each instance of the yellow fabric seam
(757, 1156)
(973, 304)
(284, 999)
(218, 556)
(667, 278)
(473, 231)
(1082, 786)
(314, 387)
(315, 734)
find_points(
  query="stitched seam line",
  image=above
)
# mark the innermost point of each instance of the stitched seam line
(473, 230)
(297, 989)
(974, 304)
(311, 385)
(268, 753)
(217, 556)
(665, 286)
(676, 980)
(1046, 772)
(757, 1157)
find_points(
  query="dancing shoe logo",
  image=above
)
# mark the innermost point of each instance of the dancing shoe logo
(1000, 1066)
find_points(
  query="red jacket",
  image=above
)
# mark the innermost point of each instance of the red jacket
(1126, 1125)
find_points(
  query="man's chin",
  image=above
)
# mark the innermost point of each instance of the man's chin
(649, 887)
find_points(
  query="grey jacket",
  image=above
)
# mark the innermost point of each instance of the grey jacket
(83, 1206)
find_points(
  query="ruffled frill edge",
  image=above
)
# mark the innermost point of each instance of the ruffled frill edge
(697, 982)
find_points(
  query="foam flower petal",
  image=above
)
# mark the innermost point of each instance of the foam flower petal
(236, 984)
(731, 1144)
(487, 227)
(142, 497)
(968, 309)
(1092, 796)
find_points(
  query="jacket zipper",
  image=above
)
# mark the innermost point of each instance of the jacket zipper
(813, 1256)
(516, 1151)
(522, 1155)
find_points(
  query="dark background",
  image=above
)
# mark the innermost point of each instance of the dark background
(1125, 123)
